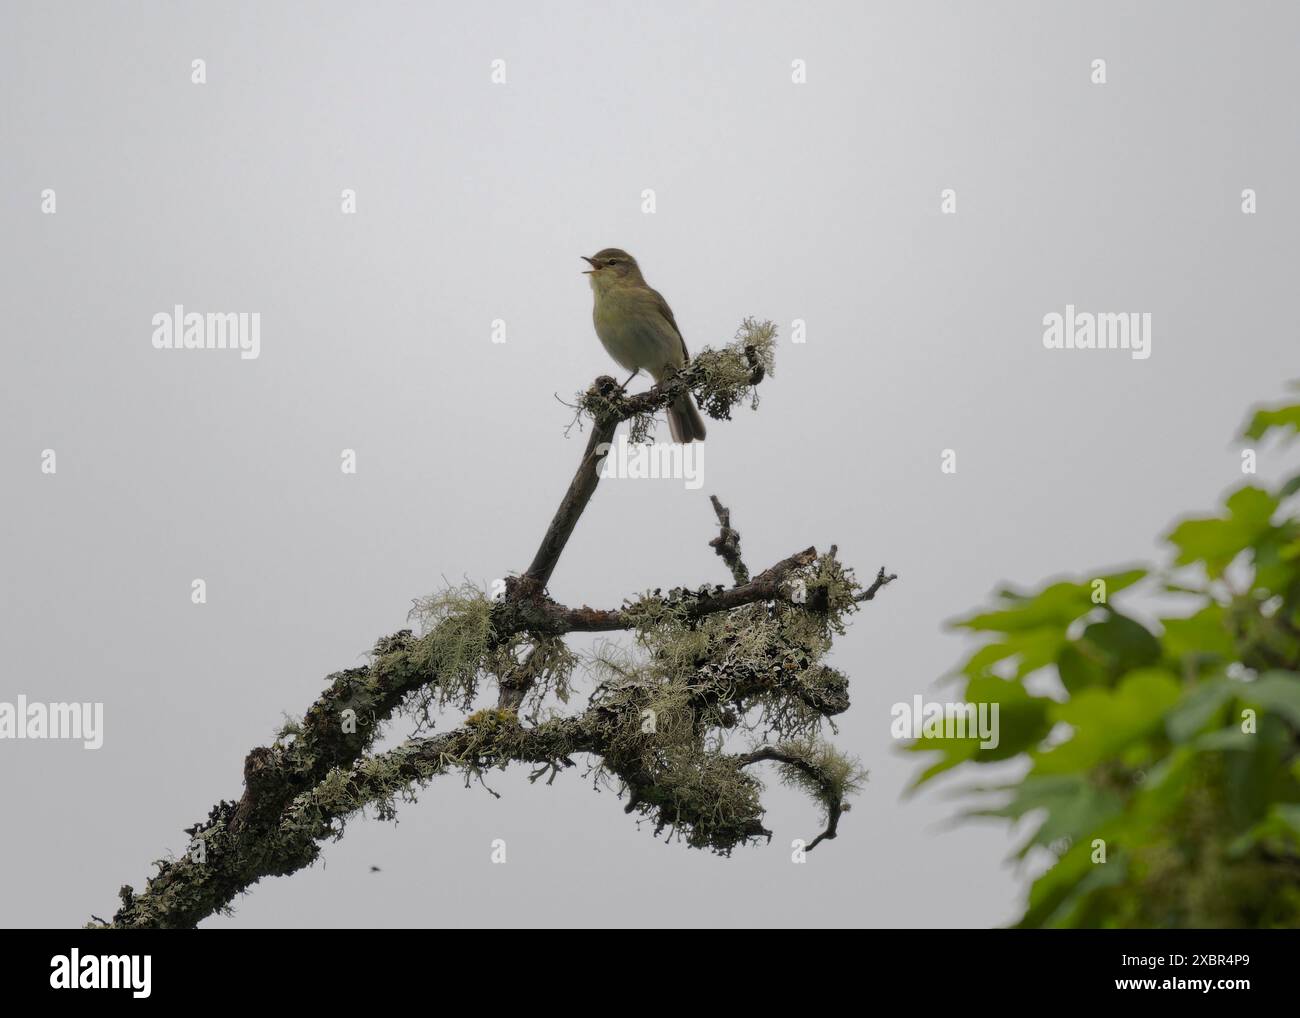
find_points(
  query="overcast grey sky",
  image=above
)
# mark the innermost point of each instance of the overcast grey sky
(816, 201)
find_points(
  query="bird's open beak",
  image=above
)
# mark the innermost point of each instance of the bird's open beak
(593, 265)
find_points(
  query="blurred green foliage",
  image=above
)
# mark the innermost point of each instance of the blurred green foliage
(1170, 750)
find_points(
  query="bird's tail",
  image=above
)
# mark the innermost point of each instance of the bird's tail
(684, 421)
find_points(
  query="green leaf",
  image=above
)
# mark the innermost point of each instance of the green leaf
(1074, 908)
(1203, 636)
(1125, 644)
(1285, 417)
(1075, 807)
(1280, 829)
(1198, 707)
(1080, 667)
(1105, 722)
(1252, 507)
(1056, 605)
(1216, 541)
(1162, 794)
(1060, 894)
(1230, 739)
(1030, 650)
(1022, 723)
(1054, 887)
(1253, 780)
(1105, 651)
(1275, 557)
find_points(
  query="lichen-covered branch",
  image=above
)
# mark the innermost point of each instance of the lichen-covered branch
(820, 769)
(727, 543)
(882, 579)
(541, 615)
(710, 666)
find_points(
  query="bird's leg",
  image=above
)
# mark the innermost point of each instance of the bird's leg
(629, 379)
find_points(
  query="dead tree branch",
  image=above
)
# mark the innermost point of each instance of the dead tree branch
(713, 660)
(727, 543)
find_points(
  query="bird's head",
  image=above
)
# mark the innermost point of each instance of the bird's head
(611, 267)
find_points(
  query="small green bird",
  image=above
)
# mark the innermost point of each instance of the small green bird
(637, 328)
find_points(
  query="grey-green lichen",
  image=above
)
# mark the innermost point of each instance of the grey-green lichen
(450, 653)
(658, 722)
(731, 375)
(457, 632)
(693, 679)
(829, 776)
(539, 666)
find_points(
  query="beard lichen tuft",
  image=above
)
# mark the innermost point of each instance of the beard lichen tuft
(830, 591)
(540, 665)
(704, 798)
(829, 776)
(456, 634)
(730, 376)
(670, 703)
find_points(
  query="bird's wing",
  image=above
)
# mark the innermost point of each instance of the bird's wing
(662, 306)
